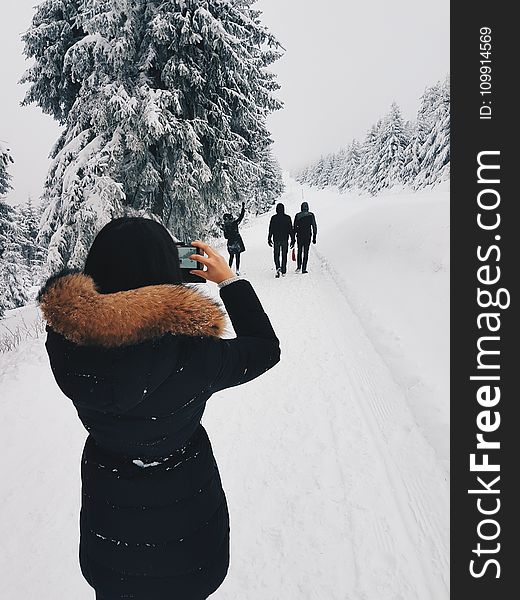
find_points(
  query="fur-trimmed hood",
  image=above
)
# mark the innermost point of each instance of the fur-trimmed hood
(73, 307)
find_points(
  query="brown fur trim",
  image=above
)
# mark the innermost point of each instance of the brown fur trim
(73, 307)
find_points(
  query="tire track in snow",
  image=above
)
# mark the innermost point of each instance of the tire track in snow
(421, 490)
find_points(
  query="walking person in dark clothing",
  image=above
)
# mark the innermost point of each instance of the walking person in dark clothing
(235, 243)
(280, 231)
(305, 230)
(140, 354)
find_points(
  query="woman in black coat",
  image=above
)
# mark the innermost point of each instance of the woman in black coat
(235, 243)
(140, 354)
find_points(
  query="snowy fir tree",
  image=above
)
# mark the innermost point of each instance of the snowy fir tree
(21, 258)
(269, 184)
(28, 225)
(421, 130)
(5, 176)
(15, 276)
(6, 230)
(394, 152)
(349, 167)
(6, 222)
(370, 157)
(412, 165)
(434, 153)
(164, 106)
(390, 151)
(339, 160)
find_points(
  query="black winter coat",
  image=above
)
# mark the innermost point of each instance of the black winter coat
(280, 228)
(235, 243)
(139, 367)
(305, 227)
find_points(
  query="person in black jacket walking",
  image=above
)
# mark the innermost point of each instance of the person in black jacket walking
(235, 243)
(280, 231)
(140, 354)
(305, 229)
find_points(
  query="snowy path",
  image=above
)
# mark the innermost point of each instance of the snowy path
(334, 492)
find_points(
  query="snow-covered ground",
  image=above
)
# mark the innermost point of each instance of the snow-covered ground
(334, 463)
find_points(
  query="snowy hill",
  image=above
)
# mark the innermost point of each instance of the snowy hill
(334, 463)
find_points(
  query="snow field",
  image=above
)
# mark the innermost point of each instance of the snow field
(333, 467)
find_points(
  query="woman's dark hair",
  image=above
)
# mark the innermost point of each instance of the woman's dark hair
(130, 253)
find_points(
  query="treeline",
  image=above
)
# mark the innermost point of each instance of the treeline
(394, 151)
(21, 256)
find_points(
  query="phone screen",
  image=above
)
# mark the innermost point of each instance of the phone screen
(187, 265)
(184, 261)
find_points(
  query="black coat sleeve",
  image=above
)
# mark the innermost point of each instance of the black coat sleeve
(241, 216)
(270, 234)
(314, 226)
(255, 350)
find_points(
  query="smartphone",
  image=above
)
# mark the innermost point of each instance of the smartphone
(187, 265)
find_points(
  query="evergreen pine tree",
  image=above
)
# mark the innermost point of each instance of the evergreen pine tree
(5, 177)
(302, 176)
(164, 107)
(15, 277)
(338, 167)
(350, 168)
(325, 176)
(315, 174)
(411, 164)
(28, 222)
(369, 162)
(421, 130)
(434, 153)
(268, 186)
(391, 146)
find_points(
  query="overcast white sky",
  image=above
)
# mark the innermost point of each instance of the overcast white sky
(345, 63)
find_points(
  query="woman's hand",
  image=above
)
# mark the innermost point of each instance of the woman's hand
(217, 268)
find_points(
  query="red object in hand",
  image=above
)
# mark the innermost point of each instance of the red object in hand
(294, 255)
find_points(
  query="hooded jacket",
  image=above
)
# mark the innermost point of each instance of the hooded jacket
(139, 367)
(305, 227)
(280, 226)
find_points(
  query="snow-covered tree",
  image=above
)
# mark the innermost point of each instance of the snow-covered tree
(327, 174)
(28, 225)
(411, 163)
(5, 177)
(18, 255)
(434, 152)
(6, 220)
(314, 176)
(15, 276)
(420, 132)
(6, 225)
(268, 186)
(347, 179)
(302, 175)
(366, 176)
(391, 146)
(164, 107)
